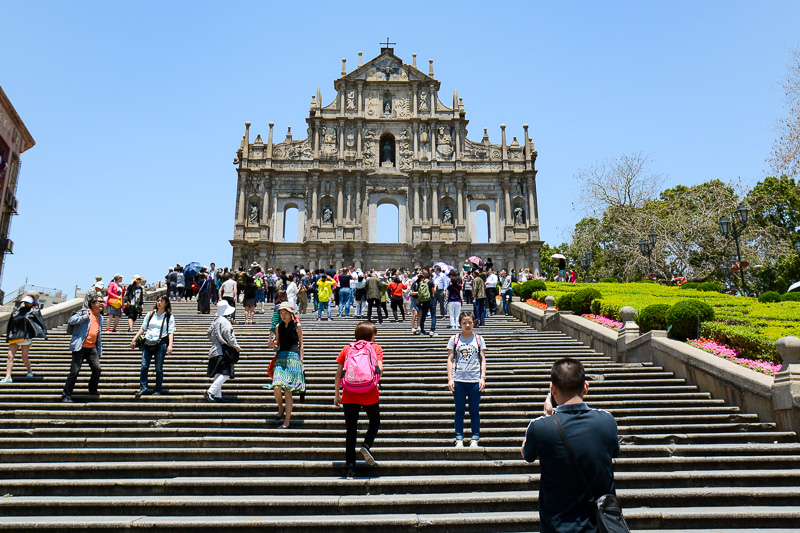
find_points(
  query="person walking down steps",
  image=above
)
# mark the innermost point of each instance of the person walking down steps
(288, 377)
(466, 376)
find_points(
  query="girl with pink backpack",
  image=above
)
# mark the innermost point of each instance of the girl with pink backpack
(356, 387)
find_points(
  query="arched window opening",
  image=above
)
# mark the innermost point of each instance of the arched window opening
(290, 220)
(387, 150)
(483, 224)
(387, 223)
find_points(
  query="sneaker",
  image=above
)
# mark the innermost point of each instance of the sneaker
(30, 375)
(6, 380)
(421, 332)
(319, 320)
(208, 397)
(66, 399)
(367, 456)
(459, 443)
(434, 334)
(473, 443)
(351, 472)
(157, 393)
(330, 320)
(139, 393)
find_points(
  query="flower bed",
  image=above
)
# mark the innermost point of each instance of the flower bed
(731, 354)
(604, 321)
(534, 303)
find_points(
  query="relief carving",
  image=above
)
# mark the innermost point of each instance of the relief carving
(350, 105)
(444, 143)
(405, 151)
(329, 144)
(370, 146)
(423, 100)
(402, 108)
(373, 103)
(292, 150)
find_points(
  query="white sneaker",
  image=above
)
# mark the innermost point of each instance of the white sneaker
(473, 443)
(459, 443)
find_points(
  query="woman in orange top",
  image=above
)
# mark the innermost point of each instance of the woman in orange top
(396, 288)
(353, 402)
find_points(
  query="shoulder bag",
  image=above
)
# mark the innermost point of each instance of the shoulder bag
(607, 509)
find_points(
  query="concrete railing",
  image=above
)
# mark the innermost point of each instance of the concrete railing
(772, 399)
(58, 315)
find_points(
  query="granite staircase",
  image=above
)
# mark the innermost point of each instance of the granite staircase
(178, 463)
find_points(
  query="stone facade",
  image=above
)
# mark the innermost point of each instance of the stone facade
(14, 140)
(386, 138)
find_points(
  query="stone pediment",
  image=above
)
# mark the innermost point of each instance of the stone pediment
(387, 67)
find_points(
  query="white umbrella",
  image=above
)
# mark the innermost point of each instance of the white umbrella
(794, 287)
(557, 256)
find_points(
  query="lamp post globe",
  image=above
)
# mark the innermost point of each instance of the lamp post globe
(725, 226)
(797, 247)
(589, 256)
(741, 215)
(643, 247)
(652, 236)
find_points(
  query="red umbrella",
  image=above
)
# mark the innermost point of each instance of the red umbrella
(476, 260)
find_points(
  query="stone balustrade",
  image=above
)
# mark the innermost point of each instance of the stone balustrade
(773, 399)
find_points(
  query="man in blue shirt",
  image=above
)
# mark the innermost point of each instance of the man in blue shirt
(592, 434)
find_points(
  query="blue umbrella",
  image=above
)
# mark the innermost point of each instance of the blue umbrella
(192, 269)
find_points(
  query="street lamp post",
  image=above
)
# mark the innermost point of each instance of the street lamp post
(728, 226)
(646, 248)
(585, 265)
(797, 246)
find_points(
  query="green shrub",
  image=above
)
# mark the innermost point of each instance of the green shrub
(711, 286)
(609, 280)
(682, 318)
(610, 310)
(652, 317)
(527, 289)
(582, 300)
(743, 338)
(690, 285)
(769, 297)
(596, 306)
(790, 297)
(564, 302)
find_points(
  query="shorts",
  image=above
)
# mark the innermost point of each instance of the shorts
(413, 304)
(21, 342)
(114, 312)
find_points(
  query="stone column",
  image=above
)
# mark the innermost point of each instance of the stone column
(435, 197)
(434, 98)
(339, 200)
(359, 186)
(349, 201)
(507, 201)
(530, 213)
(415, 187)
(416, 140)
(786, 387)
(341, 137)
(460, 191)
(433, 140)
(265, 205)
(314, 199)
(458, 140)
(414, 97)
(240, 216)
(360, 99)
(359, 134)
(629, 331)
(424, 216)
(316, 140)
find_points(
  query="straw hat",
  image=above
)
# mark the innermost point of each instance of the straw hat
(286, 306)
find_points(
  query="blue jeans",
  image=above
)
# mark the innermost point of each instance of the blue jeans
(464, 390)
(480, 311)
(321, 306)
(507, 295)
(160, 352)
(345, 301)
(429, 307)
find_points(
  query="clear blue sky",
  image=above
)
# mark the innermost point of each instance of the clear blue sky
(138, 108)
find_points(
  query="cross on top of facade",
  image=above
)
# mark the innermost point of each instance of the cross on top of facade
(386, 44)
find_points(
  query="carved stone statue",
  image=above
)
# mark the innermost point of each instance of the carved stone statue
(387, 105)
(518, 215)
(447, 215)
(386, 152)
(254, 213)
(423, 101)
(327, 215)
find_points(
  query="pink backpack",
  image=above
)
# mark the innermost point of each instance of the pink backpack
(361, 371)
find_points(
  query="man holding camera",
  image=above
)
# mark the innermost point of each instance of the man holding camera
(592, 434)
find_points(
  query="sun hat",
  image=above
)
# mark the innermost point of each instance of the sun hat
(225, 309)
(286, 306)
(116, 276)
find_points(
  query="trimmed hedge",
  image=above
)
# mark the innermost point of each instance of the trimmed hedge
(711, 286)
(790, 297)
(769, 297)
(682, 318)
(652, 317)
(690, 285)
(609, 280)
(527, 289)
(582, 299)
(564, 302)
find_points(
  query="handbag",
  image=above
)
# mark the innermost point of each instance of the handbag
(230, 353)
(115, 302)
(271, 367)
(606, 508)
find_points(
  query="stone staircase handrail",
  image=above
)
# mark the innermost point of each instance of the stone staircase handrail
(57, 315)
(754, 391)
